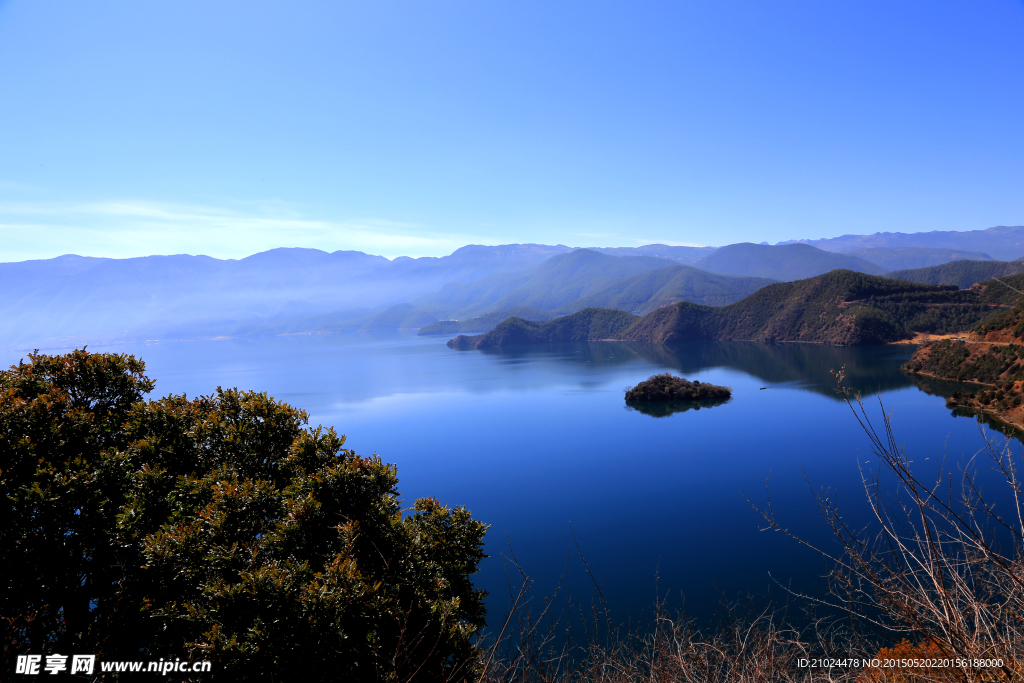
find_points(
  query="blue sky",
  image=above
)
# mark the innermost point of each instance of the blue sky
(412, 128)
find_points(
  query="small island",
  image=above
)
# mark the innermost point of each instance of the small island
(665, 387)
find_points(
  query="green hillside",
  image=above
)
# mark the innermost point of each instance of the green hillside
(649, 291)
(785, 262)
(963, 274)
(840, 307)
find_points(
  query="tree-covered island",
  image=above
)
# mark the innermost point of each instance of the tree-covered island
(666, 387)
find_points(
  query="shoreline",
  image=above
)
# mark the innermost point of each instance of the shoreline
(946, 379)
(997, 400)
(973, 405)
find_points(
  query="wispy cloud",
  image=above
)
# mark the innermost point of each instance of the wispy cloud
(134, 228)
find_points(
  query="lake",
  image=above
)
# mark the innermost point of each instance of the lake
(538, 443)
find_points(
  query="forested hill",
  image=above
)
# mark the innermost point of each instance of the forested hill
(963, 274)
(840, 307)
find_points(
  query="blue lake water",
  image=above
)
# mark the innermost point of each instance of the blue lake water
(535, 439)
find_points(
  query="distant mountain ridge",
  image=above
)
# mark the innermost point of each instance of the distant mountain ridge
(685, 255)
(1002, 242)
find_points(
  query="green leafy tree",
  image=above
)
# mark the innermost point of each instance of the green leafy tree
(218, 528)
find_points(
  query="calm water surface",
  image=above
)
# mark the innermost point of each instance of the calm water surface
(533, 440)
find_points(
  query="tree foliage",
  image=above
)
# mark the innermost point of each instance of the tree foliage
(218, 528)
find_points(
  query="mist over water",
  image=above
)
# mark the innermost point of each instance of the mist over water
(535, 439)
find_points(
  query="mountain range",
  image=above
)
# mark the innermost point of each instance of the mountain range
(74, 299)
(1003, 243)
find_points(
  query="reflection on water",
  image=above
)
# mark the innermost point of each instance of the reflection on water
(869, 369)
(666, 408)
(941, 387)
(944, 388)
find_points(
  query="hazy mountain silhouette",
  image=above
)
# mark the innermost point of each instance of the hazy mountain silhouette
(1004, 243)
(904, 258)
(784, 263)
(75, 298)
(648, 291)
(557, 281)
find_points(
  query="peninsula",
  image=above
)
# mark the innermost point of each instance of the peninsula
(990, 356)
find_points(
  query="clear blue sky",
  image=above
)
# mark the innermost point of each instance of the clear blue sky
(225, 128)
